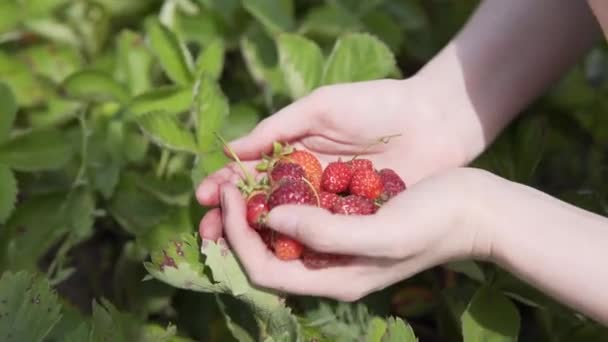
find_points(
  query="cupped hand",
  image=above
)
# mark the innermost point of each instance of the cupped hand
(340, 121)
(436, 220)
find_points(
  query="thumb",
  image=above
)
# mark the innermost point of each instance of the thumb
(290, 123)
(323, 231)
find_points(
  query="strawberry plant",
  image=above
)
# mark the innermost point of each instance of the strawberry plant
(109, 116)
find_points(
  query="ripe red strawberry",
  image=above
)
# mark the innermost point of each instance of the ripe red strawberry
(290, 191)
(336, 177)
(392, 183)
(328, 199)
(286, 171)
(366, 183)
(354, 205)
(315, 260)
(286, 248)
(357, 164)
(311, 165)
(256, 210)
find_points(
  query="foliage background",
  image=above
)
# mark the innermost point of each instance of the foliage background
(107, 110)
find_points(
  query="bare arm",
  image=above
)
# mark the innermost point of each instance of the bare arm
(555, 246)
(506, 55)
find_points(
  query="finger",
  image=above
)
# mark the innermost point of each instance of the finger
(210, 227)
(288, 124)
(326, 232)
(263, 268)
(207, 192)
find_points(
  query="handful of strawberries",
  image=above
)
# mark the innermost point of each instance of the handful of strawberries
(293, 176)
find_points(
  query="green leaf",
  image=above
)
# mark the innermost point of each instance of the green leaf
(51, 60)
(211, 61)
(94, 85)
(329, 20)
(169, 99)
(173, 191)
(383, 26)
(170, 52)
(467, 267)
(164, 129)
(209, 112)
(358, 57)
(36, 151)
(10, 15)
(136, 210)
(8, 111)
(242, 119)
(261, 59)
(27, 88)
(91, 21)
(276, 15)
(81, 211)
(301, 62)
(28, 307)
(206, 164)
(490, 316)
(376, 330)
(8, 194)
(54, 30)
(240, 333)
(398, 331)
(134, 62)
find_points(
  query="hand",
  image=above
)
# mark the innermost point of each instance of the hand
(339, 121)
(432, 222)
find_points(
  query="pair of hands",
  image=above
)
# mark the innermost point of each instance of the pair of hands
(434, 221)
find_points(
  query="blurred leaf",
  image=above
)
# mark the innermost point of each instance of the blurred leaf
(93, 85)
(37, 8)
(301, 62)
(54, 30)
(358, 57)
(173, 191)
(8, 195)
(467, 267)
(397, 330)
(384, 27)
(81, 211)
(56, 110)
(206, 164)
(261, 58)
(240, 332)
(209, 111)
(10, 15)
(530, 144)
(276, 15)
(136, 210)
(8, 111)
(53, 61)
(169, 99)
(330, 21)
(28, 89)
(211, 61)
(36, 224)
(28, 307)
(376, 330)
(413, 301)
(169, 52)
(490, 316)
(164, 129)
(134, 61)
(91, 22)
(242, 119)
(36, 150)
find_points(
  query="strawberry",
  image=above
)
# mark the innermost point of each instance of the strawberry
(366, 183)
(354, 205)
(315, 260)
(291, 191)
(328, 199)
(286, 248)
(285, 171)
(392, 183)
(357, 164)
(336, 177)
(256, 210)
(311, 165)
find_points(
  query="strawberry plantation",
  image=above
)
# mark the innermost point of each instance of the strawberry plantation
(109, 111)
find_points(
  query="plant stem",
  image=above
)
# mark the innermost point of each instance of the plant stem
(162, 164)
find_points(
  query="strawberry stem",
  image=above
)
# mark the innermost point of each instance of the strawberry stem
(382, 140)
(314, 191)
(250, 182)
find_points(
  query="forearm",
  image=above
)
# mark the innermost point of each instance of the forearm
(554, 246)
(505, 56)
